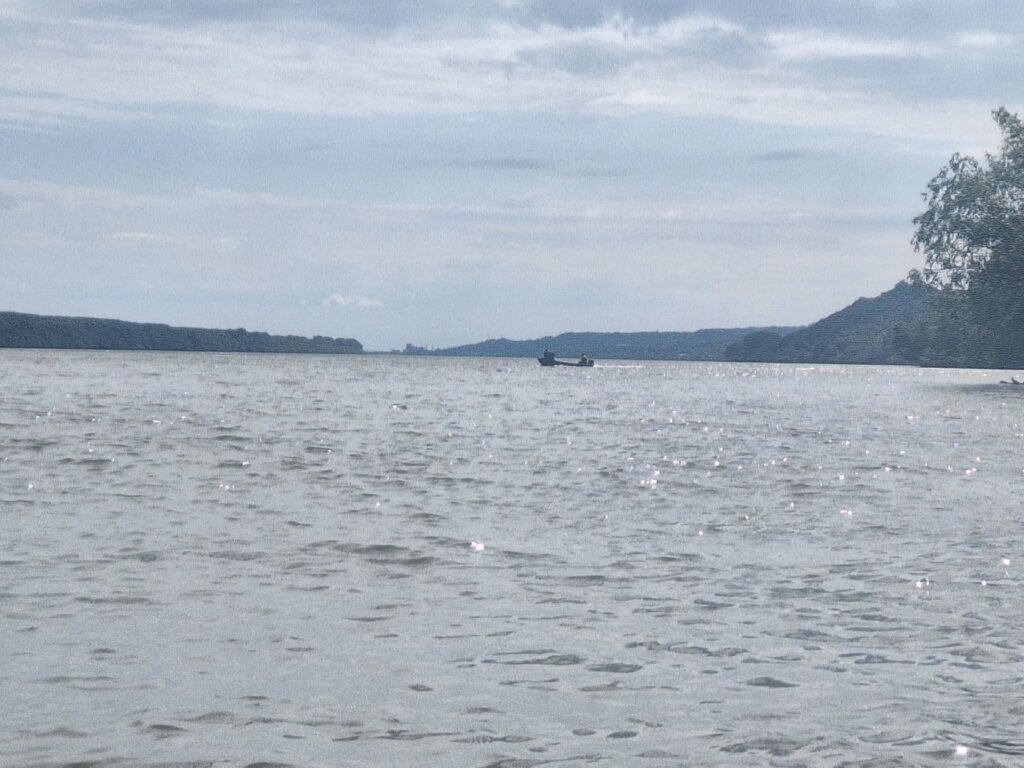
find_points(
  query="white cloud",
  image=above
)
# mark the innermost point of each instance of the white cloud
(687, 65)
(363, 302)
(812, 44)
(985, 40)
(208, 246)
(228, 197)
(38, 194)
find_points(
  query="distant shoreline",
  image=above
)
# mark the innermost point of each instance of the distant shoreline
(19, 330)
(870, 331)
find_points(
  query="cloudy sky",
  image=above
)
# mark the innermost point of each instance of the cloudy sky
(445, 171)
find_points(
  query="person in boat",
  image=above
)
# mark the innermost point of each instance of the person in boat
(583, 359)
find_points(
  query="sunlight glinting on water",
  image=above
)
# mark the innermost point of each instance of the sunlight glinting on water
(320, 561)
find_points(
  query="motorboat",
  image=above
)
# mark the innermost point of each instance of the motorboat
(548, 360)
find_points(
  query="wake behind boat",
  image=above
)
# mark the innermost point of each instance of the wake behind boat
(548, 359)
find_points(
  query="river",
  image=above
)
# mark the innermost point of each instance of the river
(221, 560)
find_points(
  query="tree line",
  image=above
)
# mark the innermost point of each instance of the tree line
(49, 332)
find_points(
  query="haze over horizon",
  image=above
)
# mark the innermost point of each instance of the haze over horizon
(441, 172)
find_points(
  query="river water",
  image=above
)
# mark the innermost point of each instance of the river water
(221, 560)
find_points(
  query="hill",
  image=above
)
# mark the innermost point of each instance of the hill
(869, 331)
(52, 332)
(708, 344)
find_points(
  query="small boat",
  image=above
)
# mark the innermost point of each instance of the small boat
(548, 360)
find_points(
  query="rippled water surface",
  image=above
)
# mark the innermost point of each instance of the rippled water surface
(220, 560)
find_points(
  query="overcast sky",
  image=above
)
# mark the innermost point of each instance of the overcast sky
(444, 171)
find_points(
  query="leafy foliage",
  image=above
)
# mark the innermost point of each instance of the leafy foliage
(972, 237)
(975, 211)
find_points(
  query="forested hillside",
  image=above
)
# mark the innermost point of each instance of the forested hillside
(51, 332)
(708, 344)
(869, 331)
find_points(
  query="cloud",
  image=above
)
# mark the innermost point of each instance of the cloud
(256, 200)
(209, 246)
(40, 194)
(506, 163)
(812, 44)
(986, 40)
(362, 302)
(109, 61)
(782, 155)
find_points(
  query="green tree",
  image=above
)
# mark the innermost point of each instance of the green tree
(975, 211)
(972, 237)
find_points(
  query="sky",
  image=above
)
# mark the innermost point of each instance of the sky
(440, 172)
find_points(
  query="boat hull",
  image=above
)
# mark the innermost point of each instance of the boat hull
(548, 362)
